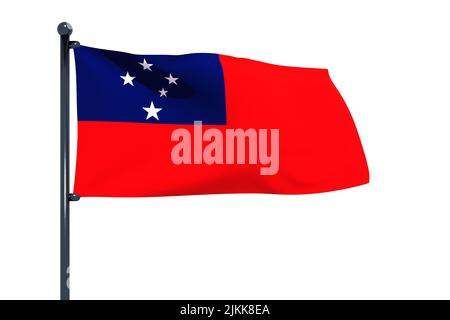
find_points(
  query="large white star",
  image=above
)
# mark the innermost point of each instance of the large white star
(152, 111)
(145, 65)
(171, 79)
(127, 79)
(163, 92)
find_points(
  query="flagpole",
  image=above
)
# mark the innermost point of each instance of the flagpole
(65, 30)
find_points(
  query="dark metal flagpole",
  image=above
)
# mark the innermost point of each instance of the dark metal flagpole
(65, 30)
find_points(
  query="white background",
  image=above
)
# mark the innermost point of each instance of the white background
(388, 239)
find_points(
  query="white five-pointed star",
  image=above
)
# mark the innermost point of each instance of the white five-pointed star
(152, 111)
(145, 65)
(127, 79)
(163, 92)
(171, 79)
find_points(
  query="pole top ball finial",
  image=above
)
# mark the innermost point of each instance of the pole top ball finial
(65, 29)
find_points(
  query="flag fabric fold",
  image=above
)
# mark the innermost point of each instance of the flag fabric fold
(159, 125)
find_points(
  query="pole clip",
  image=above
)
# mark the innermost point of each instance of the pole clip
(74, 44)
(74, 197)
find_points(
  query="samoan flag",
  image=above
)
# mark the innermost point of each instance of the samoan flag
(129, 107)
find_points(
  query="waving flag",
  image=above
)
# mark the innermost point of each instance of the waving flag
(155, 125)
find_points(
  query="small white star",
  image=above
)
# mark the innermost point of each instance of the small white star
(152, 111)
(163, 92)
(145, 65)
(127, 79)
(171, 79)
